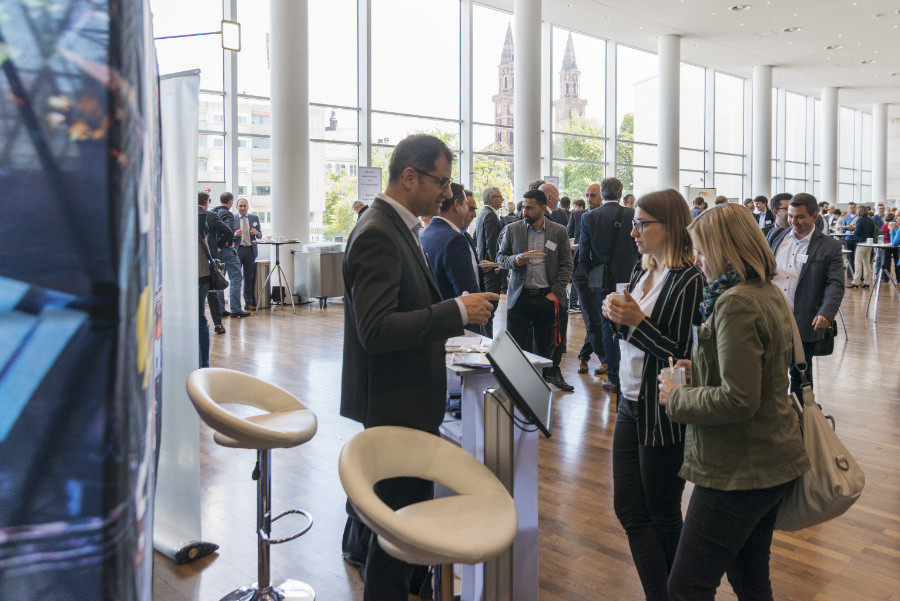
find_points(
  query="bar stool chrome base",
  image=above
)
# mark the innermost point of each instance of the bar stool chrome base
(286, 590)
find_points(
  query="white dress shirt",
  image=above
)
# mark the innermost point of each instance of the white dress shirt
(415, 224)
(789, 260)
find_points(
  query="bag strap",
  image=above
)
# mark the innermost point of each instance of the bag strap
(799, 356)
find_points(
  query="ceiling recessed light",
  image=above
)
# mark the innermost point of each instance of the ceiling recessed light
(737, 7)
(796, 14)
(877, 51)
(840, 35)
(895, 74)
(868, 61)
(895, 26)
(791, 29)
(833, 47)
(640, 26)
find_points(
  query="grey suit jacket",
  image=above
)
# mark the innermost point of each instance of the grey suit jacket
(559, 260)
(820, 287)
(395, 326)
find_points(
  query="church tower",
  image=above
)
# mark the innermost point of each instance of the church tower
(503, 99)
(569, 105)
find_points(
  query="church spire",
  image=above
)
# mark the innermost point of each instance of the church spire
(506, 58)
(568, 61)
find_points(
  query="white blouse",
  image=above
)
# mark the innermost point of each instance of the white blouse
(631, 365)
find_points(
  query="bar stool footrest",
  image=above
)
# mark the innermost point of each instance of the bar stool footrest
(278, 541)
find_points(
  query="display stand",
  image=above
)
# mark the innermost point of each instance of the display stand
(512, 454)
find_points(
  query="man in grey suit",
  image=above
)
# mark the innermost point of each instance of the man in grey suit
(537, 253)
(395, 327)
(810, 271)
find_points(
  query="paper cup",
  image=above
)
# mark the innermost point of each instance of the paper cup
(617, 295)
(675, 374)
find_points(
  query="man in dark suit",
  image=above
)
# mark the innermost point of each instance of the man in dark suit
(245, 237)
(395, 327)
(554, 213)
(218, 238)
(764, 216)
(487, 240)
(779, 208)
(606, 241)
(536, 302)
(590, 310)
(451, 257)
(228, 255)
(810, 271)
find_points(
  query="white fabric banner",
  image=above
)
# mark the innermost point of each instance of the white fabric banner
(177, 528)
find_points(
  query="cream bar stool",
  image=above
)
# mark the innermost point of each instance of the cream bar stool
(286, 423)
(475, 525)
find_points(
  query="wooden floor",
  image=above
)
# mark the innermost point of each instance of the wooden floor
(583, 550)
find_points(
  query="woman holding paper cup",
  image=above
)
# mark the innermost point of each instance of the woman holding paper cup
(743, 445)
(656, 316)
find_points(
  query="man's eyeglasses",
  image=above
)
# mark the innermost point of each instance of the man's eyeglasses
(640, 223)
(442, 182)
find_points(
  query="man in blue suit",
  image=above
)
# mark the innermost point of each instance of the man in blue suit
(448, 250)
(606, 243)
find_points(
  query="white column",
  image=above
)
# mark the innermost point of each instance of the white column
(611, 126)
(527, 98)
(231, 111)
(364, 90)
(879, 152)
(669, 80)
(466, 163)
(761, 157)
(290, 123)
(546, 106)
(829, 146)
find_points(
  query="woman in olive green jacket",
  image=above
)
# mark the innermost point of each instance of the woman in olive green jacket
(743, 445)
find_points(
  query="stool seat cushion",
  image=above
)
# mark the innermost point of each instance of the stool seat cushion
(285, 423)
(475, 525)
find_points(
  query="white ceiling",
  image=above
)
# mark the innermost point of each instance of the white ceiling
(731, 41)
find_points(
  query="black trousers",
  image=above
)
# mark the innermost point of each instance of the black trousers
(647, 499)
(610, 344)
(795, 372)
(590, 313)
(531, 322)
(248, 267)
(387, 578)
(726, 532)
(215, 309)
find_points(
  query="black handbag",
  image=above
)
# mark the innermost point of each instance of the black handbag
(217, 280)
(825, 345)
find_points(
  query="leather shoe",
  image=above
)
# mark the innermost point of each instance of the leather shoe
(554, 376)
(582, 367)
(226, 314)
(601, 370)
(241, 314)
(220, 329)
(609, 387)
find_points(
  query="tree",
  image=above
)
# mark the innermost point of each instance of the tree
(340, 194)
(489, 170)
(625, 153)
(576, 177)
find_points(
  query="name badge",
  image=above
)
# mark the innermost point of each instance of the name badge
(550, 244)
(802, 259)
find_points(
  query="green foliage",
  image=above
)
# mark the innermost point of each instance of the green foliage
(340, 194)
(487, 171)
(574, 178)
(625, 153)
